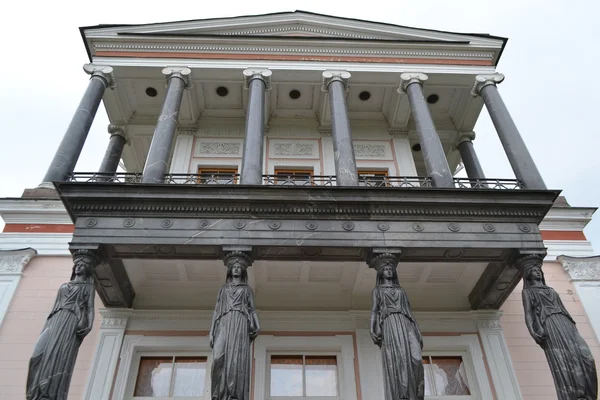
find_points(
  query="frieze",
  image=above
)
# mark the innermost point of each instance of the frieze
(14, 261)
(293, 149)
(582, 268)
(487, 319)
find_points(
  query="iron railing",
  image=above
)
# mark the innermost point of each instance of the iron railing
(297, 180)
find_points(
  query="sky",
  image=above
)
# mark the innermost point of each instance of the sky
(549, 63)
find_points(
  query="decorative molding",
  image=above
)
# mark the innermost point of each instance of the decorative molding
(487, 319)
(293, 149)
(581, 268)
(187, 130)
(401, 134)
(331, 76)
(262, 74)
(26, 211)
(572, 248)
(12, 262)
(104, 72)
(118, 130)
(482, 81)
(112, 320)
(218, 148)
(43, 243)
(185, 74)
(368, 150)
(567, 218)
(408, 78)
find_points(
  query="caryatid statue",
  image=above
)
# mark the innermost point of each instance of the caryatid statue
(234, 327)
(71, 319)
(395, 331)
(551, 326)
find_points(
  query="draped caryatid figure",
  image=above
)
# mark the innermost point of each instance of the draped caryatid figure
(551, 326)
(69, 322)
(395, 331)
(234, 327)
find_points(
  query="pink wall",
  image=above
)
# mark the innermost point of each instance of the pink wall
(528, 358)
(24, 321)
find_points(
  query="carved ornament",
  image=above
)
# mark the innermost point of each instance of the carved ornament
(14, 261)
(581, 268)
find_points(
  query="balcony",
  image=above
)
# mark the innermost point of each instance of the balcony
(481, 225)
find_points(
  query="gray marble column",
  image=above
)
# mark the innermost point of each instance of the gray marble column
(336, 83)
(70, 147)
(114, 151)
(469, 158)
(178, 79)
(431, 146)
(520, 160)
(257, 82)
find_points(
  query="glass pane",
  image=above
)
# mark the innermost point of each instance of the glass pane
(321, 376)
(154, 376)
(190, 374)
(450, 376)
(429, 391)
(286, 375)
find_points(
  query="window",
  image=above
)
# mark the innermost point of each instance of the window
(171, 377)
(445, 376)
(298, 177)
(303, 376)
(373, 178)
(219, 176)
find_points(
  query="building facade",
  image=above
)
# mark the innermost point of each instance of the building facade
(311, 145)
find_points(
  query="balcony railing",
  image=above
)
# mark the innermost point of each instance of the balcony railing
(296, 180)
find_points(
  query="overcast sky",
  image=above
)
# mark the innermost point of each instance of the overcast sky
(550, 63)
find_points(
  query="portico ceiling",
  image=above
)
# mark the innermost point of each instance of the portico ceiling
(299, 285)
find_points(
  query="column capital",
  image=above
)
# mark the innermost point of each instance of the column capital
(377, 258)
(119, 130)
(104, 72)
(331, 76)
(581, 268)
(487, 319)
(408, 78)
(482, 81)
(466, 137)
(185, 74)
(262, 74)
(527, 260)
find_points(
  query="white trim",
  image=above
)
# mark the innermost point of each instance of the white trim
(12, 264)
(370, 366)
(573, 248)
(567, 218)
(53, 244)
(133, 345)
(339, 343)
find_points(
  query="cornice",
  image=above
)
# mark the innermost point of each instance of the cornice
(26, 211)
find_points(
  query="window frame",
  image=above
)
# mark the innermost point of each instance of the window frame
(471, 379)
(384, 171)
(137, 346)
(342, 346)
(292, 171)
(136, 367)
(201, 168)
(338, 356)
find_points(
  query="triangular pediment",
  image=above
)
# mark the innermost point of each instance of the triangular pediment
(294, 24)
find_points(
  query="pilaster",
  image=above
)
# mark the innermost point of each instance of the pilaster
(106, 357)
(497, 355)
(12, 264)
